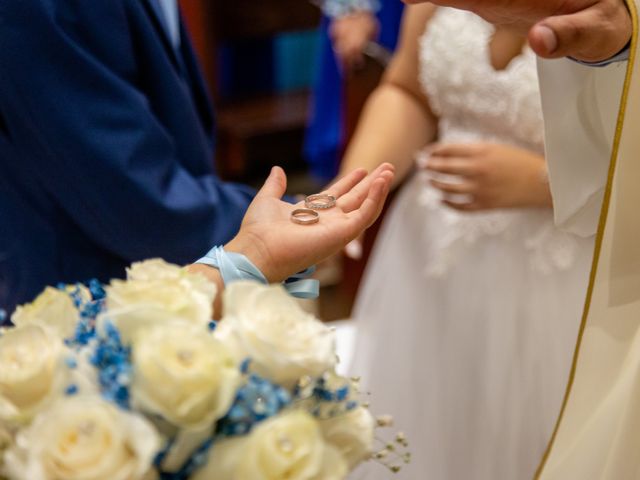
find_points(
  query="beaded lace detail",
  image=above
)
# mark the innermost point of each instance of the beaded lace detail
(476, 102)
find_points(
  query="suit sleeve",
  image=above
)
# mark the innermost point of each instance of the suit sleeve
(93, 143)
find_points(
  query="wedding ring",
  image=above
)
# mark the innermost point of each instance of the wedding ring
(320, 201)
(305, 216)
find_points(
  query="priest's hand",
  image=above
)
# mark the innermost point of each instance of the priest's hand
(281, 248)
(588, 30)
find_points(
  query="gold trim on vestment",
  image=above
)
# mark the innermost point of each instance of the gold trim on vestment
(604, 213)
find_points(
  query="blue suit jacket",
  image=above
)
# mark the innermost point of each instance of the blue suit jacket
(106, 146)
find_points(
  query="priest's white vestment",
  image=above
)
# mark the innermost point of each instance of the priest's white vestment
(592, 118)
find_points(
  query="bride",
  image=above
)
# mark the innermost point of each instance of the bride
(471, 304)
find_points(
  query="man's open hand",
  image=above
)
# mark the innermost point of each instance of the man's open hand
(280, 248)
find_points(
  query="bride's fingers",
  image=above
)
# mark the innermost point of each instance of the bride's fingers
(451, 166)
(354, 198)
(457, 150)
(464, 206)
(370, 209)
(455, 188)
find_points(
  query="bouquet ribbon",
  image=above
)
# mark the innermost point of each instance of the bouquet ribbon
(235, 266)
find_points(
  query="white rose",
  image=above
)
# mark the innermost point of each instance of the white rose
(6, 440)
(157, 292)
(32, 371)
(289, 446)
(352, 434)
(284, 343)
(83, 438)
(52, 307)
(184, 375)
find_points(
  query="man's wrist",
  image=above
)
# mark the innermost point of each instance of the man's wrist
(256, 254)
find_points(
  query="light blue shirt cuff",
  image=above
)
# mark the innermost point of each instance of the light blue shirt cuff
(172, 20)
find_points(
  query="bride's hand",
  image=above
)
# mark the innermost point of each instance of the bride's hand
(488, 176)
(281, 248)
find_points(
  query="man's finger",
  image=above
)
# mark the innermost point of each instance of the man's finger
(370, 209)
(275, 185)
(350, 196)
(354, 199)
(346, 183)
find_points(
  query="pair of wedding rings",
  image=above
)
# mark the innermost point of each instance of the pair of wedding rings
(313, 203)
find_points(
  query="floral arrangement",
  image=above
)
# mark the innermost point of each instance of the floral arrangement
(135, 381)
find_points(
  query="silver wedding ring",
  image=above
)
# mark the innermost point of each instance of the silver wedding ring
(305, 216)
(320, 201)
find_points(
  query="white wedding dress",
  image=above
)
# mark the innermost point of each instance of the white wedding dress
(467, 322)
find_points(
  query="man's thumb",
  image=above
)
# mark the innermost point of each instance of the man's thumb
(275, 185)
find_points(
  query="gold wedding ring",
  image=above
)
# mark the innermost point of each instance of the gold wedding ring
(320, 201)
(305, 216)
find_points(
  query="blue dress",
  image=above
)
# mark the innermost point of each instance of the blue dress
(325, 135)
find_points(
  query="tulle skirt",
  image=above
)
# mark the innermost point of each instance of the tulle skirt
(471, 358)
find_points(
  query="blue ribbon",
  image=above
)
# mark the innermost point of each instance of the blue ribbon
(235, 266)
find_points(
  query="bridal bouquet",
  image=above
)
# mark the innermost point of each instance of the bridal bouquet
(134, 381)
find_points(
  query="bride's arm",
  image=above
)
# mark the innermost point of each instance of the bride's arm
(396, 120)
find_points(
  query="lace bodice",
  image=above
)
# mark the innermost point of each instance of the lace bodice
(476, 102)
(472, 99)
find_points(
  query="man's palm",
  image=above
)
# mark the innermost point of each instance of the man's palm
(281, 247)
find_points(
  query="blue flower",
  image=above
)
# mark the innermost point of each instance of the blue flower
(326, 395)
(89, 311)
(325, 402)
(71, 390)
(97, 290)
(256, 401)
(71, 362)
(113, 361)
